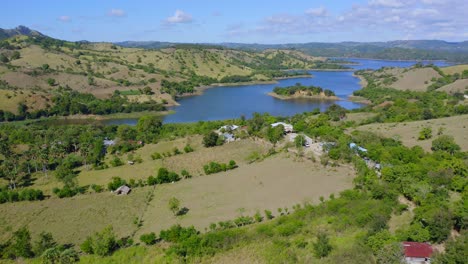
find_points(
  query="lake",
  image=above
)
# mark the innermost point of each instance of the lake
(229, 102)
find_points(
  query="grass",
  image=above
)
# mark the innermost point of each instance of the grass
(130, 92)
(455, 69)
(408, 132)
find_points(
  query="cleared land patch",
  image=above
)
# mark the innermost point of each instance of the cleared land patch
(276, 182)
(417, 79)
(459, 86)
(408, 132)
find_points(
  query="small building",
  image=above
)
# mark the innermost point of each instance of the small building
(356, 147)
(228, 137)
(123, 190)
(288, 128)
(228, 128)
(108, 142)
(417, 253)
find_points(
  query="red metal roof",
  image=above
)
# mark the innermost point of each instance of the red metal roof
(417, 250)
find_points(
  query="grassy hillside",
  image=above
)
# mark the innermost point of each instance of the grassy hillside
(408, 132)
(420, 78)
(39, 65)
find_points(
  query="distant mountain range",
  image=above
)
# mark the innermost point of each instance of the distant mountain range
(20, 30)
(397, 50)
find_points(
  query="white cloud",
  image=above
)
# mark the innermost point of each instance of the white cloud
(116, 13)
(64, 18)
(179, 17)
(386, 3)
(370, 21)
(319, 11)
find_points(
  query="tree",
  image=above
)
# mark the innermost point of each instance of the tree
(445, 143)
(174, 205)
(19, 245)
(299, 141)
(456, 251)
(44, 242)
(210, 139)
(322, 247)
(275, 134)
(148, 127)
(51, 82)
(101, 243)
(391, 254)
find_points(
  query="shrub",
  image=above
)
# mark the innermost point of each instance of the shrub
(185, 174)
(268, 214)
(116, 161)
(148, 239)
(188, 148)
(156, 156)
(425, 133)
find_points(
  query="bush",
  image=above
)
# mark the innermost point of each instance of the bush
(116, 161)
(445, 143)
(425, 133)
(214, 167)
(185, 174)
(188, 149)
(268, 214)
(156, 156)
(148, 239)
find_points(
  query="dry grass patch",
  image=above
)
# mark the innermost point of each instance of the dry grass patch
(408, 132)
(459, 86)
(276, 182)
(454, 69)
(417, 79)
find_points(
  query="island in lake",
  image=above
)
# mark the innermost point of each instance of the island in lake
(302, 91)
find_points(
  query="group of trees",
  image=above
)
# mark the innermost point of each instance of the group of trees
(215, 167)
(299, 88)
(45, 248)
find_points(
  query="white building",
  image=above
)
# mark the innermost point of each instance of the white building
(288, 128)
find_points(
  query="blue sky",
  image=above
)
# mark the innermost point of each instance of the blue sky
(243, 21)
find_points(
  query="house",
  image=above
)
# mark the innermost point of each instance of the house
(228, 128)
(228, 137)
(108, 142)
(356, 147)
(417, 253)
(288, 128)
(124, 189)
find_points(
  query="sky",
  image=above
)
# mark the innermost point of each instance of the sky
(242, 21)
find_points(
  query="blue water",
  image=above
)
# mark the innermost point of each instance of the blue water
(234, 101)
